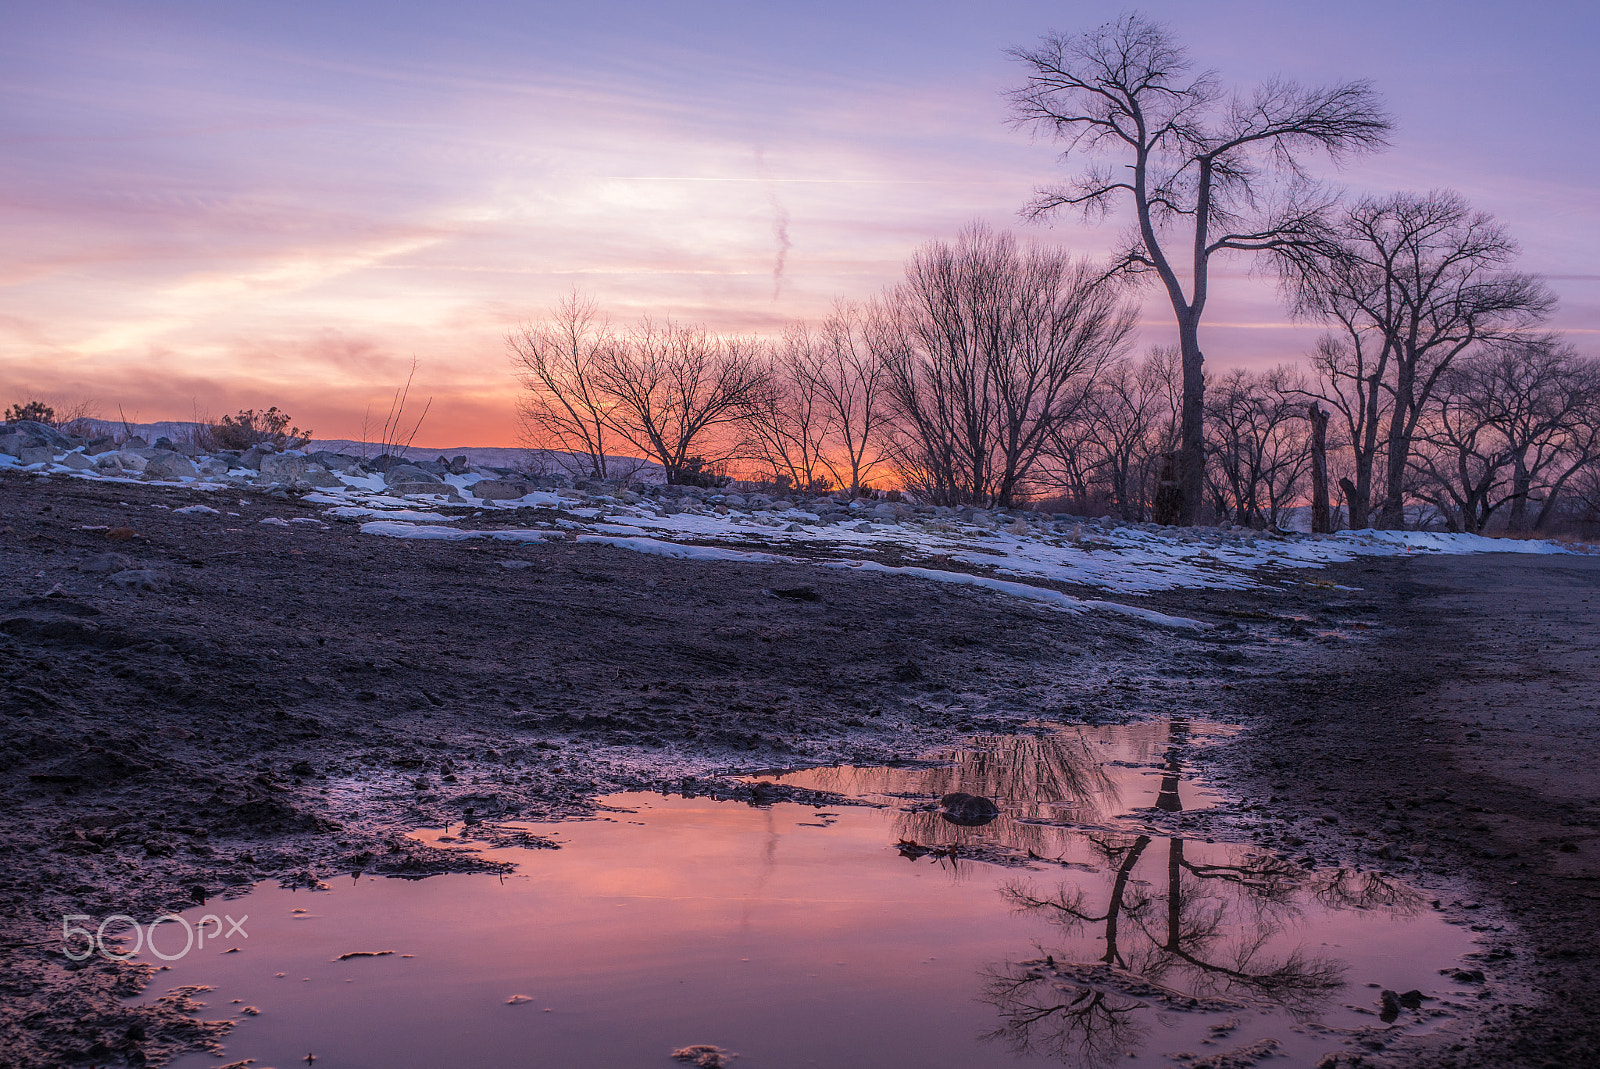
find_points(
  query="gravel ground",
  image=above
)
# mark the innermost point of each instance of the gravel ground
(222, 700)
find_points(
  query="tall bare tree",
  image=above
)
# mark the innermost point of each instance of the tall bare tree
(841, 367)
(987, 347)
(1205, 172)
(673, 387)
(790, 427)
(561, 363)
(1414, 281)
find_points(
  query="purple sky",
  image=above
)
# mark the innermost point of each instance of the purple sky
(213, 206)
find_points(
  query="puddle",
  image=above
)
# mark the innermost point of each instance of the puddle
(850, 935)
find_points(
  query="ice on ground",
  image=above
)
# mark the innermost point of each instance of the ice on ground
(1122, 559)
(1019, 555)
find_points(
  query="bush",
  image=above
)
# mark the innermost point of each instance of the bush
(696, 472)
(250, 428)
(37, 411)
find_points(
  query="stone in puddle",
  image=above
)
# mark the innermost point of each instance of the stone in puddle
(967, 810)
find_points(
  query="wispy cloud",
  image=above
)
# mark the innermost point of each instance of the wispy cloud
(206, 207)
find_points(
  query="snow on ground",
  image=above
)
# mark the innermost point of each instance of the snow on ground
(1020, 555)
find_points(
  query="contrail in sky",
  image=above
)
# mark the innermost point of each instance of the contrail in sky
(780, 220)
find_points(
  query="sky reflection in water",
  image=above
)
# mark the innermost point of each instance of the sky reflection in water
(799, 936)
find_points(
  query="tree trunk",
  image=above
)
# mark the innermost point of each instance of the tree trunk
(1521, 487)
(1321, 522)
(1392, 513)
(1355, 505)
(1191, 426)
(1166, 507)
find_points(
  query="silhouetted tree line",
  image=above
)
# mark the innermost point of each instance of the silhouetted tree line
(998, 372)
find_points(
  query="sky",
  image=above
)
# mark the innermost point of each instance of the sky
(208, 207)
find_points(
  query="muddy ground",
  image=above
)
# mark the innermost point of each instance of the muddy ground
(226, 701)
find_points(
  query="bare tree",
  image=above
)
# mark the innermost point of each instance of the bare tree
(1113, 448)
(987, 348)
(1350, 374)
(789, 427)
(672, 387)
(1508, 426)
(1259, 448)
(841, 367)
(1206, 173)
(561, 364)
(1544, 399)
(1413, 280)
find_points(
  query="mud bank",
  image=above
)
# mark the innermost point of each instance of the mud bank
(192, 709)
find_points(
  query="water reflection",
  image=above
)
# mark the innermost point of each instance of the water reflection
(1044, 788)
(1174, 931)
(799, 938)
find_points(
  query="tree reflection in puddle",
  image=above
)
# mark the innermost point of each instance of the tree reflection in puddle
(1181, 926)
(1177, 934)
(799, 937)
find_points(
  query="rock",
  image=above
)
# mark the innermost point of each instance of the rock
(164, 443)
(404, 488)
(1390, 851)
(121, 460)
(341, 462)
(170, 466)
(409, 473)
(213, 466)
(251, 458)
(140, 579)
(36, 454)
(704, 1056)
(35, 433)
(78, 462)
(102, 444)
(459, 465)
(11, 444)
(499, 489)
(318, 476)
(282, 468)
(967, 810)
(863, 528)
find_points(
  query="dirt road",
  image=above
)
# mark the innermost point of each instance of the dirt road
(1470, 733)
